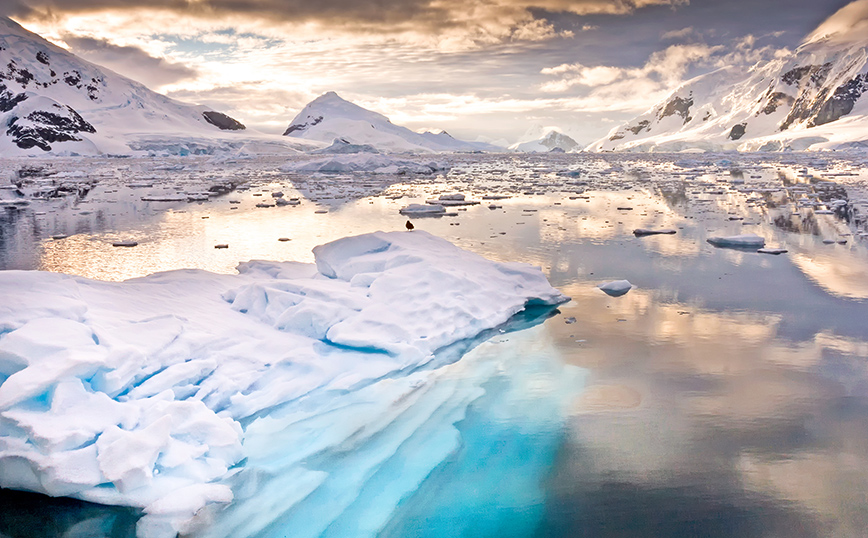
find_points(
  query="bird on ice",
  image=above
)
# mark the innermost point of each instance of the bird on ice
(409, 225)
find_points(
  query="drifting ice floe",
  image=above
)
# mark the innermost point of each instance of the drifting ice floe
(423, 210)
(747, 241)
(139, 396)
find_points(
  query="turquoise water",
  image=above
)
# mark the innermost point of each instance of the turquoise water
(725, 395)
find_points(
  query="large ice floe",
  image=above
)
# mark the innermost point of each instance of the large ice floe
(143, 393)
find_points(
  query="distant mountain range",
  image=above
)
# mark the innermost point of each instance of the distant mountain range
(812, 99)
(330, 118)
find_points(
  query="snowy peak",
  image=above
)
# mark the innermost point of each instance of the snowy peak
(330, 105)
(545, 139)
(51, 100)
(330, 117)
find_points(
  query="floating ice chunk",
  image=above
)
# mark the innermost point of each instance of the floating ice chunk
(639, 232)
(616, 288)
(747, 241)
(772, 251)
(422, 210)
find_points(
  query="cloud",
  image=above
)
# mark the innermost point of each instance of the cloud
(664, 68)
(678, 34)
(457, 22)
(848, 24)
(129, 61)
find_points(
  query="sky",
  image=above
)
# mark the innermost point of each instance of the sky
(480, 69)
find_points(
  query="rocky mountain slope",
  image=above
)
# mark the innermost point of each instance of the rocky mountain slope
(53, 101)
(811, 99)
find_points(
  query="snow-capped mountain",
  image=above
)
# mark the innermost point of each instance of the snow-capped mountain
(53, 101)
(810, 99)
(544, 139)
(330, 117)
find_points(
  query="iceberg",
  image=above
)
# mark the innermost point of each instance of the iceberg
(616, 288)
(145, 392)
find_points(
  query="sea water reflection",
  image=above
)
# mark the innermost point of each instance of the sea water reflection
(725, 395)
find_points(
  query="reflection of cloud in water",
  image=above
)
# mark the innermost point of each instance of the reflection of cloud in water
(725, 403)
(843, 273)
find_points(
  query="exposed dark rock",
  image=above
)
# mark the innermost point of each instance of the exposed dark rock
(222, 121)
(73, 78)
(707, 116)
(8, 100)
(21, 76)
(41, 128)
(42, 57)
(643, 125)
(775, 100)
(842, 101)
(303, 126)
(677, 106)
(815, 73)
(737, 131)
(616, 136)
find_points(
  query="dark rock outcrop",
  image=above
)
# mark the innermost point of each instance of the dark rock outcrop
(222, 121)
(737, 131)
(41, 128)
(302, 126)
(678, 106)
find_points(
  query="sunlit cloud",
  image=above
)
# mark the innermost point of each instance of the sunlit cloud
(131, 61)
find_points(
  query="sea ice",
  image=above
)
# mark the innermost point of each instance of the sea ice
(143, 392)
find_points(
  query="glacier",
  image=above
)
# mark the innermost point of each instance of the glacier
(178, 392)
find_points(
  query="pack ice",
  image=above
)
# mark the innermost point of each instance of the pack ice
(140, 393)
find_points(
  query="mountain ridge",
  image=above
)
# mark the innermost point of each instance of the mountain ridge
(330, 117)
(794, 102)
(52, 100)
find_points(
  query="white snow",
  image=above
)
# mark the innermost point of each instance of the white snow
(616, 288)
(139, 396)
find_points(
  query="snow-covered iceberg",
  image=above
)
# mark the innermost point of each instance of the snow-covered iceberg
(143, 392)
(746, 241)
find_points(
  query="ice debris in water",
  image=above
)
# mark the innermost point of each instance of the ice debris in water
(363, 163)
(738, 241)
(139, 395)
(616, 288)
